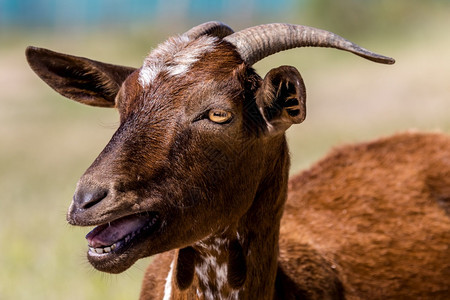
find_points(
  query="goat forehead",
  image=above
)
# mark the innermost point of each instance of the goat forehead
(174, 57)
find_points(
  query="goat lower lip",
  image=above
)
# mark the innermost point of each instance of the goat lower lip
(106, 245)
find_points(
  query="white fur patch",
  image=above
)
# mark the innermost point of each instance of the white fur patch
(174, 57)
(209, 265)
(168, 285)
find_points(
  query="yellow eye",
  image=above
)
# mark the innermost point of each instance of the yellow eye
(219, 116)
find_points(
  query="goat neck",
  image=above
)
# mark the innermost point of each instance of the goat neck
(240, 261)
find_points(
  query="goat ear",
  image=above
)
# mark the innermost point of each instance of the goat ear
(77, 78)
(282, 98)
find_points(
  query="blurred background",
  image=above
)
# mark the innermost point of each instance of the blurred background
(46, 141)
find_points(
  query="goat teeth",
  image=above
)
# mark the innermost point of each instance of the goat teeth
(103, 250)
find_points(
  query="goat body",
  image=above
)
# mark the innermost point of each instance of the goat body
(377, 215)
(197, 172)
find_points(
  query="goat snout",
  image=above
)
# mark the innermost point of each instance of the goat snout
(87, 196)
(84, 208)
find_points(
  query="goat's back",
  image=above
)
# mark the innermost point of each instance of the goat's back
(377, 214)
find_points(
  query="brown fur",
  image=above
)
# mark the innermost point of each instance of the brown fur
(368, 221)
(374, 211)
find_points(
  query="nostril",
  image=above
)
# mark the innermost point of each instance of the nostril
(86, 198)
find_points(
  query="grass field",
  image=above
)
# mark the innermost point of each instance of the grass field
(47, 141)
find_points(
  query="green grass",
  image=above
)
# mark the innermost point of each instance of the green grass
(47, 142)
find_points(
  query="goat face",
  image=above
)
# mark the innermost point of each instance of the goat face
(196, 124)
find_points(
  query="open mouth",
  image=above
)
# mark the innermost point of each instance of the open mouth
(115, 236)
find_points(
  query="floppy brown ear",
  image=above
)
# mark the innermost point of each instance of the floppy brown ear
(282, 98)
(78, 78)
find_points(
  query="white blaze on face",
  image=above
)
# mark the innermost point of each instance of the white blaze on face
(174, 57)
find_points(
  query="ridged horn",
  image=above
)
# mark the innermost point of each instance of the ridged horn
(213, 28)
(256, 43)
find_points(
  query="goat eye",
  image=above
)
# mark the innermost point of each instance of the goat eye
(219, 116)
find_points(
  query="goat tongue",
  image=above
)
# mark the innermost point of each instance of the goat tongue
(108, 234)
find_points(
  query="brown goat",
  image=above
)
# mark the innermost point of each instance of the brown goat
(198, 172)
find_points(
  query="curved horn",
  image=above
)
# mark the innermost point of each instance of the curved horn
(213, 28)
(256, 43)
